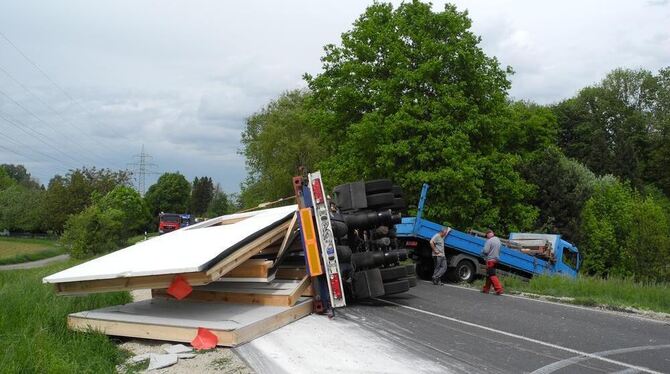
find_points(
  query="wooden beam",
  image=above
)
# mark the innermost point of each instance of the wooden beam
(291, 273)
(251, 268)
(289, 233)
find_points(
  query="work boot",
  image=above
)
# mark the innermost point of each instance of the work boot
(485, 291)
(499, 292)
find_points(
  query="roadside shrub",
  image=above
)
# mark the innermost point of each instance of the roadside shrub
(94, 231)
(135, 211)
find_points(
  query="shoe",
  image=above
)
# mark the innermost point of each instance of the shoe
(499, 293)
(485, 291)
(435, 281)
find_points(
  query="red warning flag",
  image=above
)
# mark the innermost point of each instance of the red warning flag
(204, 340)
(179, 288)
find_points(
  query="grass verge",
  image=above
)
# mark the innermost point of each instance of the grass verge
(614, 293)
(138, 238)
(17, 250)
(33, 332)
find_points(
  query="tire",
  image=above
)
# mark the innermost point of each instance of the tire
(367, 284)
(380, 199)
(412, 281)
(389, 274)
(411, 269)
(340, 229)
(343, 253)
(377, 186)
(463, 272)
(425, 268)
(397, 191)
(399, 286)
(362, 259)
(399, 204)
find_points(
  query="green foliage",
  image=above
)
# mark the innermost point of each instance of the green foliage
(135, 211)
(169, 194)
(72, 193)
(21, 209)
(33, 321)
(95, 231)
(5, 179)
(625, 233)
(276, 141)
(220, 204)
(201, 195)
(20, 175)
(563, 186)
(410, 95)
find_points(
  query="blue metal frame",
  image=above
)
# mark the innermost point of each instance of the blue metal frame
(417, 227)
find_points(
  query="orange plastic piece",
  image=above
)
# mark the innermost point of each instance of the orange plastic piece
(179, 288)
(205, 339)
(311, 246)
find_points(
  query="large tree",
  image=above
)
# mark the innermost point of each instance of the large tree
(70, 194)
(169, 194)
(201, 195)
(20, 175)
(276, 141)
(409, 94)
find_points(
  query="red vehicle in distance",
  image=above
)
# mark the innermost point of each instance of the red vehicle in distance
(168, 222)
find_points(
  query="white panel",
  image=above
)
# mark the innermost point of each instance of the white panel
(181, 251)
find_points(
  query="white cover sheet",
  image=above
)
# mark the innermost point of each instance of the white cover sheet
(181, 251)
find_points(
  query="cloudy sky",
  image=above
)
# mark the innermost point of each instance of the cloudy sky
(94, 81)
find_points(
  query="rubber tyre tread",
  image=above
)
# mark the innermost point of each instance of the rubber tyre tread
(389, 274)
(378, 185)
(397, 191)
(343, 253)
(340, 228)
(412, 281)
(380, 199)
(398, 204)
(362, 259)
(411, 269)
(367, 284)
(398, 286)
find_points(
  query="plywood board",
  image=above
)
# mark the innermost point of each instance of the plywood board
(181, 251)
(178, 321)
(163, 281)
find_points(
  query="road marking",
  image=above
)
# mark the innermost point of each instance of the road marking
(573, 360)
(521, 337)
(595, 310)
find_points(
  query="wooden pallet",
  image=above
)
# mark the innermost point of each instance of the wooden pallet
(178, 321)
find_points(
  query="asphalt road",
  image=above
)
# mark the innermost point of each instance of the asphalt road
(466, 331)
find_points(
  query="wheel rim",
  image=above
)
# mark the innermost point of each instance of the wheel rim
(464, 272)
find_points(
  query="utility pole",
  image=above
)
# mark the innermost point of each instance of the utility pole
(141, 168)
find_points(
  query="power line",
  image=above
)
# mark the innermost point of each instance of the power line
(36, 117)
(38, 138)
(51, 80)
(144, 168)
(58, 114)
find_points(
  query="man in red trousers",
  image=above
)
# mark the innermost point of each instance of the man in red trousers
(491, 253)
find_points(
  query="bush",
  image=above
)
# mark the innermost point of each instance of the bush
(135, 211)
(95, 231)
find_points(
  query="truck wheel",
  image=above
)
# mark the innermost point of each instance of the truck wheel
(340, 228)
(401, 285)
(389, 274)
(463, 272)
(411, 269)
(380, 199)
(362, 259)
(412, 280)
(425, 268)
(343, 253)
(367, 283)
(378, 185)
(398, 204)
(397, 191)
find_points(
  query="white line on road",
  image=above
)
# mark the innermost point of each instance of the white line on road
(590, 309)
(585, 354)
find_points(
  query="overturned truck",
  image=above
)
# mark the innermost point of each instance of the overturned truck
(363, 217)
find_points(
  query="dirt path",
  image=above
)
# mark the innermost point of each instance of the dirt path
(36, 264)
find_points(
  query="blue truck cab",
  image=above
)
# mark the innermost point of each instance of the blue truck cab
(524, 254)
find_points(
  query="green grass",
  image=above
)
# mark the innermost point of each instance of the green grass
(615, 293)
(33, 333)
(15, 251)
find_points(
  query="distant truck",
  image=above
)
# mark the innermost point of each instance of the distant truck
(523, 254)
(168, 222)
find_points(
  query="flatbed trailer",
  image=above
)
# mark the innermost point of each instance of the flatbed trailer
(463, 250)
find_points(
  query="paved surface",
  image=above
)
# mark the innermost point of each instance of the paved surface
(465, 331)
(36, 264)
